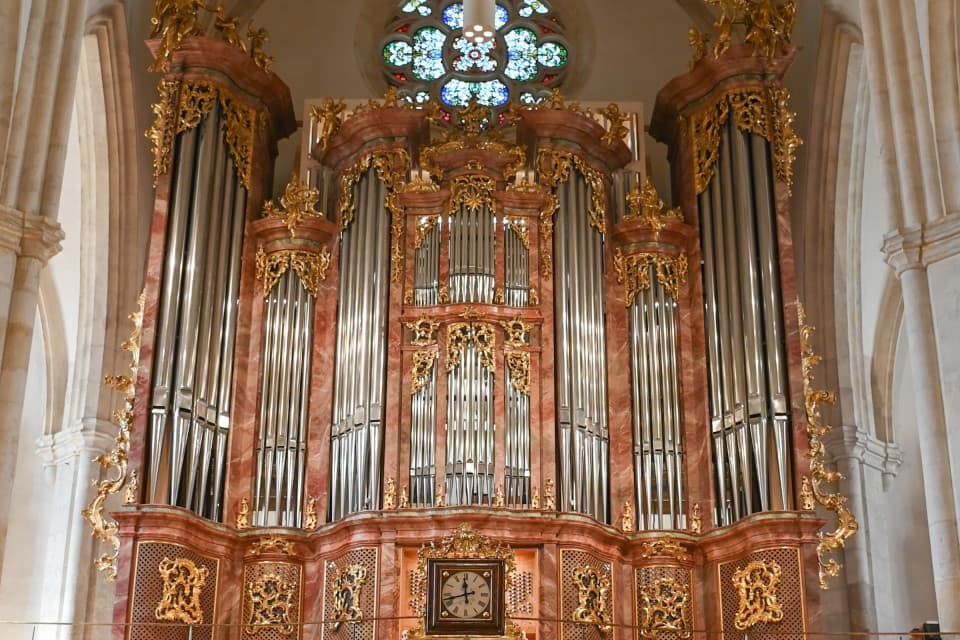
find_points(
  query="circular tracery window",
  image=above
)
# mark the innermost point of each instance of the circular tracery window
(426, 56)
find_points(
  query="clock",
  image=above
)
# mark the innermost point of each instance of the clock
(465, 597)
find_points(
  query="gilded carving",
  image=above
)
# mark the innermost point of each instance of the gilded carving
(114, 463)
(161, 133)
(616, 129)
(757, 587)
(847, 524)
(172, 21)
(499, 499)
(699, 42)
(240, 125)
(472, 193)
(297, 203)
(627, 517)
(270, 601)
(696, 520)
(183, 582)
(761, 111)
(425, 225)
(666, 547)
(346, 595)
(258, 38)
(311, 267)
(196, 100)
(423, 362)
(808, 501)
(404, 498)
(546, 236)
(535, 499)
(554, 169)
(518, 362)
(480, 334)
(243, 514)
(549, 496)
(441, 495)
(633, 272)
(274, 544)
(645, 205)
(310, 518)
(423, 331)
(443, 295)
(390, 495)
(392, 166)
(664, 607)
(420, 184)
(534, 297)
(519, 228)
(515, 332)
(329, 116)
(593, 590)
(396, 238)
(767, 27)
(131, 493)
(498, 295)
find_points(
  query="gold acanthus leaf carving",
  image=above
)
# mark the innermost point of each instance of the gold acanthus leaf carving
(665, 607)
(515, 332)
(311, 267)
(633, 272)
(423, 331)
(847, 524)
(423, 362)
(756, 586)
(546, 236)
(763, 111)
(616, 128)
(183, 583)
(270, 601)
(471, 193)
(161, 133)
(593, 592)
(297, 203)
(554, 168)
(114, 463)
(396, 238)
(310, 517)
(329, 116)
(520, 229)
(425, 225)
(767, 26)
(667, 547)
(461, 334)
(272, 544)
(518, 362)
(645, 204)
(346, 595)
(392, 166)
(699, 42)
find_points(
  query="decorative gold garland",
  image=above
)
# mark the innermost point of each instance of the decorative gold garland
(105, 529)
(423, 362)
(756, 586)
(480, 334)
(310, 266)
(633, 272)
(392, 167)
(519, 364)
(761, 111)
(847, 524)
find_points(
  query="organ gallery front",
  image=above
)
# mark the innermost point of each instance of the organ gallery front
(468, 375)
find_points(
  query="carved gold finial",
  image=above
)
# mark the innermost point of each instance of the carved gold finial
(258, 38)
(633, 271)
(243, 514)
(423, 330)
(499, 501)
(549, 497)
(807, 499)
(229, 28)
(404, 498)
(131, 492)
(535, 501)
(390, 495)
(441, 500)
(329, 116)
(297, 203)
(645, 204)
(767, 26)
(617, 128)
(310, 518)
(699, 41)
(847, 524)
(172, 21)
(696, 520)
(626, 517)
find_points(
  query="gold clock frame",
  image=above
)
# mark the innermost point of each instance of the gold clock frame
(436, 624)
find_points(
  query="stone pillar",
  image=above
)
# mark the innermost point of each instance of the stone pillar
(29, 242)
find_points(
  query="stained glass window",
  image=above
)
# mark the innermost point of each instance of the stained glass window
(426, 56)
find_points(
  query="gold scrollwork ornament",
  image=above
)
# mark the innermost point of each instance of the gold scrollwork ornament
(664, 607)
(297, 203)
(645, 204)
(665, 547)
(757, 588)
(183, 582)
(518, 362)
(423, 362)
(515, 332)
(633, 272)
(392, 166)
(346, 595)
(593, 591)
(270, 602)
(423, 331)
(480, 334)
(311, 267)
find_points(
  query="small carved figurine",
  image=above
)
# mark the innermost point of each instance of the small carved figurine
(441, 495)
(130, 493)
(534, 297)
(549, 498)
(626, 519)
(228, 28)
(258, 38)
(310, 520)
(807, 499)
(243, 515)
(535, 501)
(498, 296)
(696, 520)
(390, 495)
(498, 498)
(404, 498)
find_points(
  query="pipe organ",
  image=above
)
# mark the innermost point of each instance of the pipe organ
(457, 319)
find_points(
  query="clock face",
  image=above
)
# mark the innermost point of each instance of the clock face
(465, 594)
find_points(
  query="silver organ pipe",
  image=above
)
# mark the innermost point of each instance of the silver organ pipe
(471, 250)
(426, 290)
(360, 376)
(470, 416)
(422, 442)
(581, 355)
(516, 263)
(281, 445)
(196, 331)
(743, 323)
(517, 442)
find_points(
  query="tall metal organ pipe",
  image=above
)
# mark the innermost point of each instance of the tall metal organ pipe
(196, 328)
(581, 376)
(516, 264)
(422, 440)
(356, 459)
(517, 444)
(426, 276)
(746, 353)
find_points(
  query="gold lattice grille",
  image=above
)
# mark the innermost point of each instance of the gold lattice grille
(667, 595)
(367, 628)
(788, 591)
(571, 561)
(147, 592)
(272, 599)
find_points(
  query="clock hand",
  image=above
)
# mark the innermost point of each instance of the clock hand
(461, 595)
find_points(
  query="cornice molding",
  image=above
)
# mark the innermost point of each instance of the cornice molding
(89, 436)
(919, 247)
(853, 443)
(29, 235)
